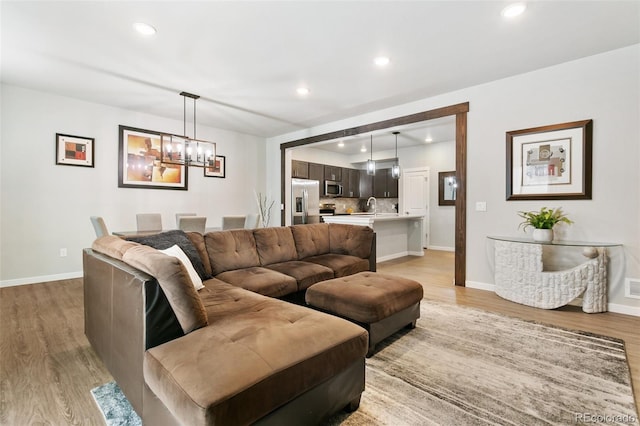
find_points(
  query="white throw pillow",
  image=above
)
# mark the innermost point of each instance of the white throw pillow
(177, 252)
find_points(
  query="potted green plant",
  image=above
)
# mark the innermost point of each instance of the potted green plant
(543, 222)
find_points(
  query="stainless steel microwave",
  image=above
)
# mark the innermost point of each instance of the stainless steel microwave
(332, 188)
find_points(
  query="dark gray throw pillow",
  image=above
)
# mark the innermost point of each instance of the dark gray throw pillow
(164, 240)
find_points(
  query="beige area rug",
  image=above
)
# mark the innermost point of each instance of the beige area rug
(463, 366)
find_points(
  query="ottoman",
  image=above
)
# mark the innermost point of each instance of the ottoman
(382, 304)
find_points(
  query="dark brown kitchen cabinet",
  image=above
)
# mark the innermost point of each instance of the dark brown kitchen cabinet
(365, 184)
(316, 172)
(350, 183)
(380, 184)
(299, 169)
(392, 186)
(333, 173)
(384, 186)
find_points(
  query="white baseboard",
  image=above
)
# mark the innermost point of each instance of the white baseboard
(40, 279)
(397, 255)
(611, 307)
(480, 286)
(624, 309)
(441, 248)
(392, 256)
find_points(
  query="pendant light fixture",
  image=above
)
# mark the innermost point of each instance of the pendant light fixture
(395, 169)
(371, 165)
(186, 151)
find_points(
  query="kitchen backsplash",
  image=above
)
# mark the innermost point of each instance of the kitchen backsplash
(384, 205)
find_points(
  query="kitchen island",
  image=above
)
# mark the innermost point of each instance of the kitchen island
(396, 235)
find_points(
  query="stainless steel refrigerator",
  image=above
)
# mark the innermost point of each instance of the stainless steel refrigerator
(305, 201)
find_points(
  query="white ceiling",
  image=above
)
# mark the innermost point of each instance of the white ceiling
(421, 133)
(246, 59)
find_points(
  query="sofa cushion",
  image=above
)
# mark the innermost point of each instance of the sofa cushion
(197, 239)
(367, 297)
(341, 264)
(112, 246)
(275, 245)
(305, 273)
(172, 276)
(252, 362)
(176, 251)
(311, 240)
(164, 240)
(261, 280)
(350, 239)
(230, 250)
(222, 300)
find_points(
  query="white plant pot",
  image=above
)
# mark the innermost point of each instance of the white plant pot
(543, 235)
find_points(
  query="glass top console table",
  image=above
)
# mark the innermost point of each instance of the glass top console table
(520, 274)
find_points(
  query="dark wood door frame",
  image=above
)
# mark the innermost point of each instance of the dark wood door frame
(460, 111)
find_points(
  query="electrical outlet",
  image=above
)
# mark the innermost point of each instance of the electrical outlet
(481, 206)
(63, 252)
(632, 288)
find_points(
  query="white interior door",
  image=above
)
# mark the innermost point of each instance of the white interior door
(415, 198)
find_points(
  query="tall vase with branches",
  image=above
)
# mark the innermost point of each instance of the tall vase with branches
(264, 208)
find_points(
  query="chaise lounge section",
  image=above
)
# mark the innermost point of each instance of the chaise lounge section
(231, 352)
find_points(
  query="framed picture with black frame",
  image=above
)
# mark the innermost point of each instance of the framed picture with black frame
(140, 165)
(216, 168)
(447, 188)
(74, 150)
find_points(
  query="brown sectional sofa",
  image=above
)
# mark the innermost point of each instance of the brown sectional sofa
(232, 352)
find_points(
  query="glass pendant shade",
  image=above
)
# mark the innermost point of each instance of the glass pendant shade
(371, 165)
(395, 169)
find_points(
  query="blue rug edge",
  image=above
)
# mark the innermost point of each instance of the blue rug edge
(116, 410)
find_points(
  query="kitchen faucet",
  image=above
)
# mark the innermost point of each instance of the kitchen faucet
(375, 204)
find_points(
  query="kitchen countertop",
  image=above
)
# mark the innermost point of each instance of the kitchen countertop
(369, 218)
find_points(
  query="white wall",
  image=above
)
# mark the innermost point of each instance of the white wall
(46, 207)
(439, 157)
(605, 88)
(321, 156)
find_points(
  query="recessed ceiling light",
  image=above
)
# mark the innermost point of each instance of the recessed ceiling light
(381, 61)
(144, 29)
(428, 139)
(363, 149)
(341, 144)
(302, 91)
(513, 10)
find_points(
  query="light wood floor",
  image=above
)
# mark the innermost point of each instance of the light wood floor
(47, 366)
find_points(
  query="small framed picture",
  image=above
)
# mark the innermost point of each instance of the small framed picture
(216, 168)
(74, 150)
(447, 188)
(550, 162)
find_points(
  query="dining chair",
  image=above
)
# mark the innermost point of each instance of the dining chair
(149, 222)
(179, 215)
(192, 223)
(252, 221)
(233, 222)
(99, 226)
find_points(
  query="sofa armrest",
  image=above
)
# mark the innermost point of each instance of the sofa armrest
(125, 313)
